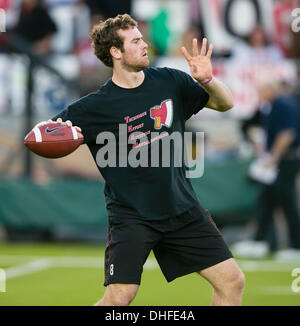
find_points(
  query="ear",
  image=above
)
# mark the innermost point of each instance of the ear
(115, 53)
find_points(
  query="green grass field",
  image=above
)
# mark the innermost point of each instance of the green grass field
(72, 275)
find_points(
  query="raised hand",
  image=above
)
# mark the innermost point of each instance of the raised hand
(200, 64)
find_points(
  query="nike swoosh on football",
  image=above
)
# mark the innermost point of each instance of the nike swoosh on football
(49, 131)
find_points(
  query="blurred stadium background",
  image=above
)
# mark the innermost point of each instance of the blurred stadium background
(52, 212)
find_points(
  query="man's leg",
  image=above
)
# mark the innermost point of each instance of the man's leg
(118, 295)
(228, 282)
(289, 199)
(266, 228)
(130, 241)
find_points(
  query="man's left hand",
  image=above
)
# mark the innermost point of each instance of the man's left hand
(200, 64)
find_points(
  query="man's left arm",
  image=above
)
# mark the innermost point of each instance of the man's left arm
(220, 96)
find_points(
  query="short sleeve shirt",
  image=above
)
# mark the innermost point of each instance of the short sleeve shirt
(123, 127)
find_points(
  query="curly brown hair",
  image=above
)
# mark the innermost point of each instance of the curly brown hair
(104, 35)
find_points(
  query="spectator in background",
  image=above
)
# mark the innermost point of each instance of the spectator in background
(72, 18)
(280, 118)
(36, 26)
(93, 72)
(257, 48)
(109, 8)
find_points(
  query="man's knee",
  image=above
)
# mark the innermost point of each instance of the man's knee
(120, 294)
(238, 280)
(234, 281)
(226, 277)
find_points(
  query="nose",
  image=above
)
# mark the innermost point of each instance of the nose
(145, 45)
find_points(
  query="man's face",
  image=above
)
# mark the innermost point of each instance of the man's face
(134, 57)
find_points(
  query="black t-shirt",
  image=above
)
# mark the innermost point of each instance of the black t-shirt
(162, 103)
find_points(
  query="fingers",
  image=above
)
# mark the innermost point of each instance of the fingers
(210, 50)
(203, 47)
(195, 47)
(185, 53)
(68, 123)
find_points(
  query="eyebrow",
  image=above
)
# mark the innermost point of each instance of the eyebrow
(136, 39)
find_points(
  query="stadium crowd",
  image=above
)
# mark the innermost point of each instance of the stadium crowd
(63, 26)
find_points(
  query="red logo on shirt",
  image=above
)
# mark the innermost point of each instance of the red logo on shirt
(163, 114)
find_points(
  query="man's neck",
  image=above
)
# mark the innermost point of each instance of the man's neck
(127, 79)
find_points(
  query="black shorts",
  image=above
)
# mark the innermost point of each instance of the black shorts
(189, 242)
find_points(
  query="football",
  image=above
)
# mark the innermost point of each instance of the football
(53, 140)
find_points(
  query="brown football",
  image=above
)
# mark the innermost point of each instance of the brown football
(53, 140)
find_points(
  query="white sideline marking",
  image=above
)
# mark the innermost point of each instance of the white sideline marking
(68, 261)
(283, 290)
(59, 261)
(42, 263)
(9, 259)
(38, 263)
(151, 263)
(265, 266)
(77, 262)
(28, 268)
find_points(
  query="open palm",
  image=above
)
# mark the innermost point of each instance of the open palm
(200, 64)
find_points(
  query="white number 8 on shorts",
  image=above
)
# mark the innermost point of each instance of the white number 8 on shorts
(111, 270)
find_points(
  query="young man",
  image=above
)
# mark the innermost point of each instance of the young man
(153, 208)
